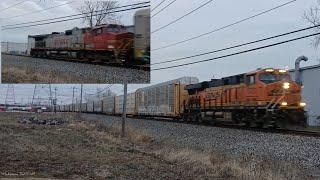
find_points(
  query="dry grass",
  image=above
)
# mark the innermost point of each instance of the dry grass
(219, 165)
(85, 148)
(17, 75)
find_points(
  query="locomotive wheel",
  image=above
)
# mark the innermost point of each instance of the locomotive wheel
(199, 118)
(185, 117)
(282, 120)
(237, 117)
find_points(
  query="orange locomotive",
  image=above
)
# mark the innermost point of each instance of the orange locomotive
(262, 98)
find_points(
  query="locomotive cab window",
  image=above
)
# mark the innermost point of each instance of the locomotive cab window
(251, 79)
(113, 29)
(97, 31)
(285, 77)
(268, 78)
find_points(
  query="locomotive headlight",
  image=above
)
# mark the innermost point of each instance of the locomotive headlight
(269, 70)
(286, 85)
(303, 104)
(284, 104)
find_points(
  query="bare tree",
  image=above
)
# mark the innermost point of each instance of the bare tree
(313, 17)
(99, 12)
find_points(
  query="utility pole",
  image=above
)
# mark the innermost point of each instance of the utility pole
(55, 100)
(124, 110)
(34, 93)
(7, 47)
(80, 110)
(10, 96)
(50, 98)
(73, 99)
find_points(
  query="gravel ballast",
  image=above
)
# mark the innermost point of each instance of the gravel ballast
(71, 72)
(299, 150)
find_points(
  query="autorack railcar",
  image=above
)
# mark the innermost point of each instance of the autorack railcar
(261, 98)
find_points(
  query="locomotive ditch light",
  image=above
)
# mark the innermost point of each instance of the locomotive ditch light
(284, 104)
(270, 70)
(303, 104)
(286, 85)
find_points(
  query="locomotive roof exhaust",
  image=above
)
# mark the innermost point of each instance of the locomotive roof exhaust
(297, 69)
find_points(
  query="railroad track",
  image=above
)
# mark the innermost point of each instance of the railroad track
(226, 126)
(88, 61)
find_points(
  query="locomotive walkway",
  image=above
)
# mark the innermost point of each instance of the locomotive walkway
(20, 69)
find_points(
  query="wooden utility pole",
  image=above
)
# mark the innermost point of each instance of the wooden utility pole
(50, 98)
(55, 100)
(73, 109)
(80, 110)
(124, 110)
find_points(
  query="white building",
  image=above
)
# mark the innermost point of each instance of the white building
(13, 48)
(310, 78)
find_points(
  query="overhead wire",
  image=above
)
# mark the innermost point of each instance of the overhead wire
(236, 46)
(158, 5)
(163, 8)
(224, 27)
(185, 15)
(53, 22)
(42, 10)
(14, 5)
(80, 14)
(237, 53)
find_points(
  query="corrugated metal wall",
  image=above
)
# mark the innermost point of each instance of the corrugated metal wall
(311, 93)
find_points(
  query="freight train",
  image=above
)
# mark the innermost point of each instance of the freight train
(109, 43)
(261, 98)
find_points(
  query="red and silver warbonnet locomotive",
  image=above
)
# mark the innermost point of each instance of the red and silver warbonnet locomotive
(109, 43)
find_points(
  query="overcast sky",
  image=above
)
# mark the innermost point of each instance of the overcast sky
(216, 14)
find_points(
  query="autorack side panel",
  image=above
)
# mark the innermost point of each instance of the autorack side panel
(164, 99)
(109, 105)
(89, 105)
(131, 100)
(98, 106)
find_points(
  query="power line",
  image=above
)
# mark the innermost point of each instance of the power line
(34, 12)
(163, 8)
(236, 46)
(53, 22)
(174, 21)
(224, 27)
(9, 7)
(80, 14)
(101, 90)
(233, 54)
(158, 5)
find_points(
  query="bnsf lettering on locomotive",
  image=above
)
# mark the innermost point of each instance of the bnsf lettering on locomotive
(214, 95)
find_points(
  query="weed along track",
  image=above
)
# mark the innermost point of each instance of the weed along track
(73, 146)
